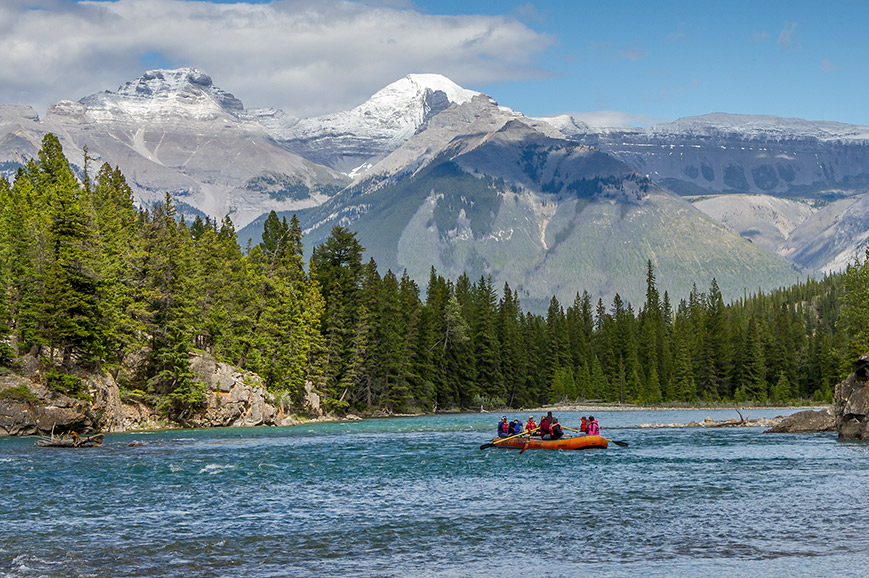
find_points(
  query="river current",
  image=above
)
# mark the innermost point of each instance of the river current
(417, 497)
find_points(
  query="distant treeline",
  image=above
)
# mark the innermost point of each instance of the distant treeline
(92, 282)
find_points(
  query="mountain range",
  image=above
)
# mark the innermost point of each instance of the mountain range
(431, 174)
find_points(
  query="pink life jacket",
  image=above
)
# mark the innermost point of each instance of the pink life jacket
(593, 428)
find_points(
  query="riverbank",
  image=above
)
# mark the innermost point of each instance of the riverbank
(31, 405)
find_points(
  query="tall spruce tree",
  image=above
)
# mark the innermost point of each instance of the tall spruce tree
(71, 317)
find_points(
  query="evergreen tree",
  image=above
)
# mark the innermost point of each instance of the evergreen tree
(855, 308)
(71, 317)
(485, 341)
(121, 255)
(513, 358)
(169, 309)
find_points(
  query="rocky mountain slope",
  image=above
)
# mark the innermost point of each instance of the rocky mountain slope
(812, 164)
(174, 131)
(547, 215)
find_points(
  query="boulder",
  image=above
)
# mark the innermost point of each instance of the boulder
(852, 402)
(808, 421)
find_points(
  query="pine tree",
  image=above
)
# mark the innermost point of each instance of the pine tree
(485, 341)
(121, 255)
(855, 308)
(169, 303)
(753, 385)
(513, 358)
(336, 264)
(70, 316)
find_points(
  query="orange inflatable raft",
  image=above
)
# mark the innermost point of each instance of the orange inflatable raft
(573, 443)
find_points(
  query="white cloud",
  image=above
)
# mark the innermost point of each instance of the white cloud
(305, 56)
(787, 37)
(614, 118)
(828, 66)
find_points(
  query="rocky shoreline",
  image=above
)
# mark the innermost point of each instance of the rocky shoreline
(234, 398)
(806, 421)
(237, 398)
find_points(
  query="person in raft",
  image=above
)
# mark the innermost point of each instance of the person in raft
(556, 429)
(592, 429)
(583, 427)
(530, 425)
(515, 427)
(546, 426)
(503, 428)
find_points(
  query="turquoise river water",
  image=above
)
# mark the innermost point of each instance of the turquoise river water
(417, 497)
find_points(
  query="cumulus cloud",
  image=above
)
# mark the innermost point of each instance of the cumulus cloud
(304, 56)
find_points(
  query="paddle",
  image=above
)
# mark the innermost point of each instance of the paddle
(623, 444)
(484, 446)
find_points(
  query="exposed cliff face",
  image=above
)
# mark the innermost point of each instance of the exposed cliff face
(852, 402)
(44, 412)
(235, 398)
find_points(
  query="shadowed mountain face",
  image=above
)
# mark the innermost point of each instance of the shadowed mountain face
(429, 173)
(729, 153)
(798, 188)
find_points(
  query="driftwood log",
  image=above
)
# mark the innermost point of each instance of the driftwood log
(73, 441)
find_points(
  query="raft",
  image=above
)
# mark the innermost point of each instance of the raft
(573, 443)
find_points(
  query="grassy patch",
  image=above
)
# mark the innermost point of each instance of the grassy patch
(18, 393)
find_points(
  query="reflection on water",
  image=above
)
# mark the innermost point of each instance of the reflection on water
(414, 496)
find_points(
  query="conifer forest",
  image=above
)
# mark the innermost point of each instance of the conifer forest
(91, 282)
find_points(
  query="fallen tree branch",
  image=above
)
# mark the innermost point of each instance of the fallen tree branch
(74, 441)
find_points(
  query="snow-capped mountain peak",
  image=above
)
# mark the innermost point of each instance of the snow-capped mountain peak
(367, 133)
(184, 93)
(393, 113)
(413, 88)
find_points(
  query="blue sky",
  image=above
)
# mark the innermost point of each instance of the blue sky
(673, 59)
(607, 61)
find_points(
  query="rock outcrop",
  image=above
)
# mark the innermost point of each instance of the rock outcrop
(29, 417)
(235, 398)
(808, 421)
(852, 402)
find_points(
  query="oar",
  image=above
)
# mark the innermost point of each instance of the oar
(484, 446)
(624, 444)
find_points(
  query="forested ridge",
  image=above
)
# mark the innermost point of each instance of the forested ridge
(91, 282)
